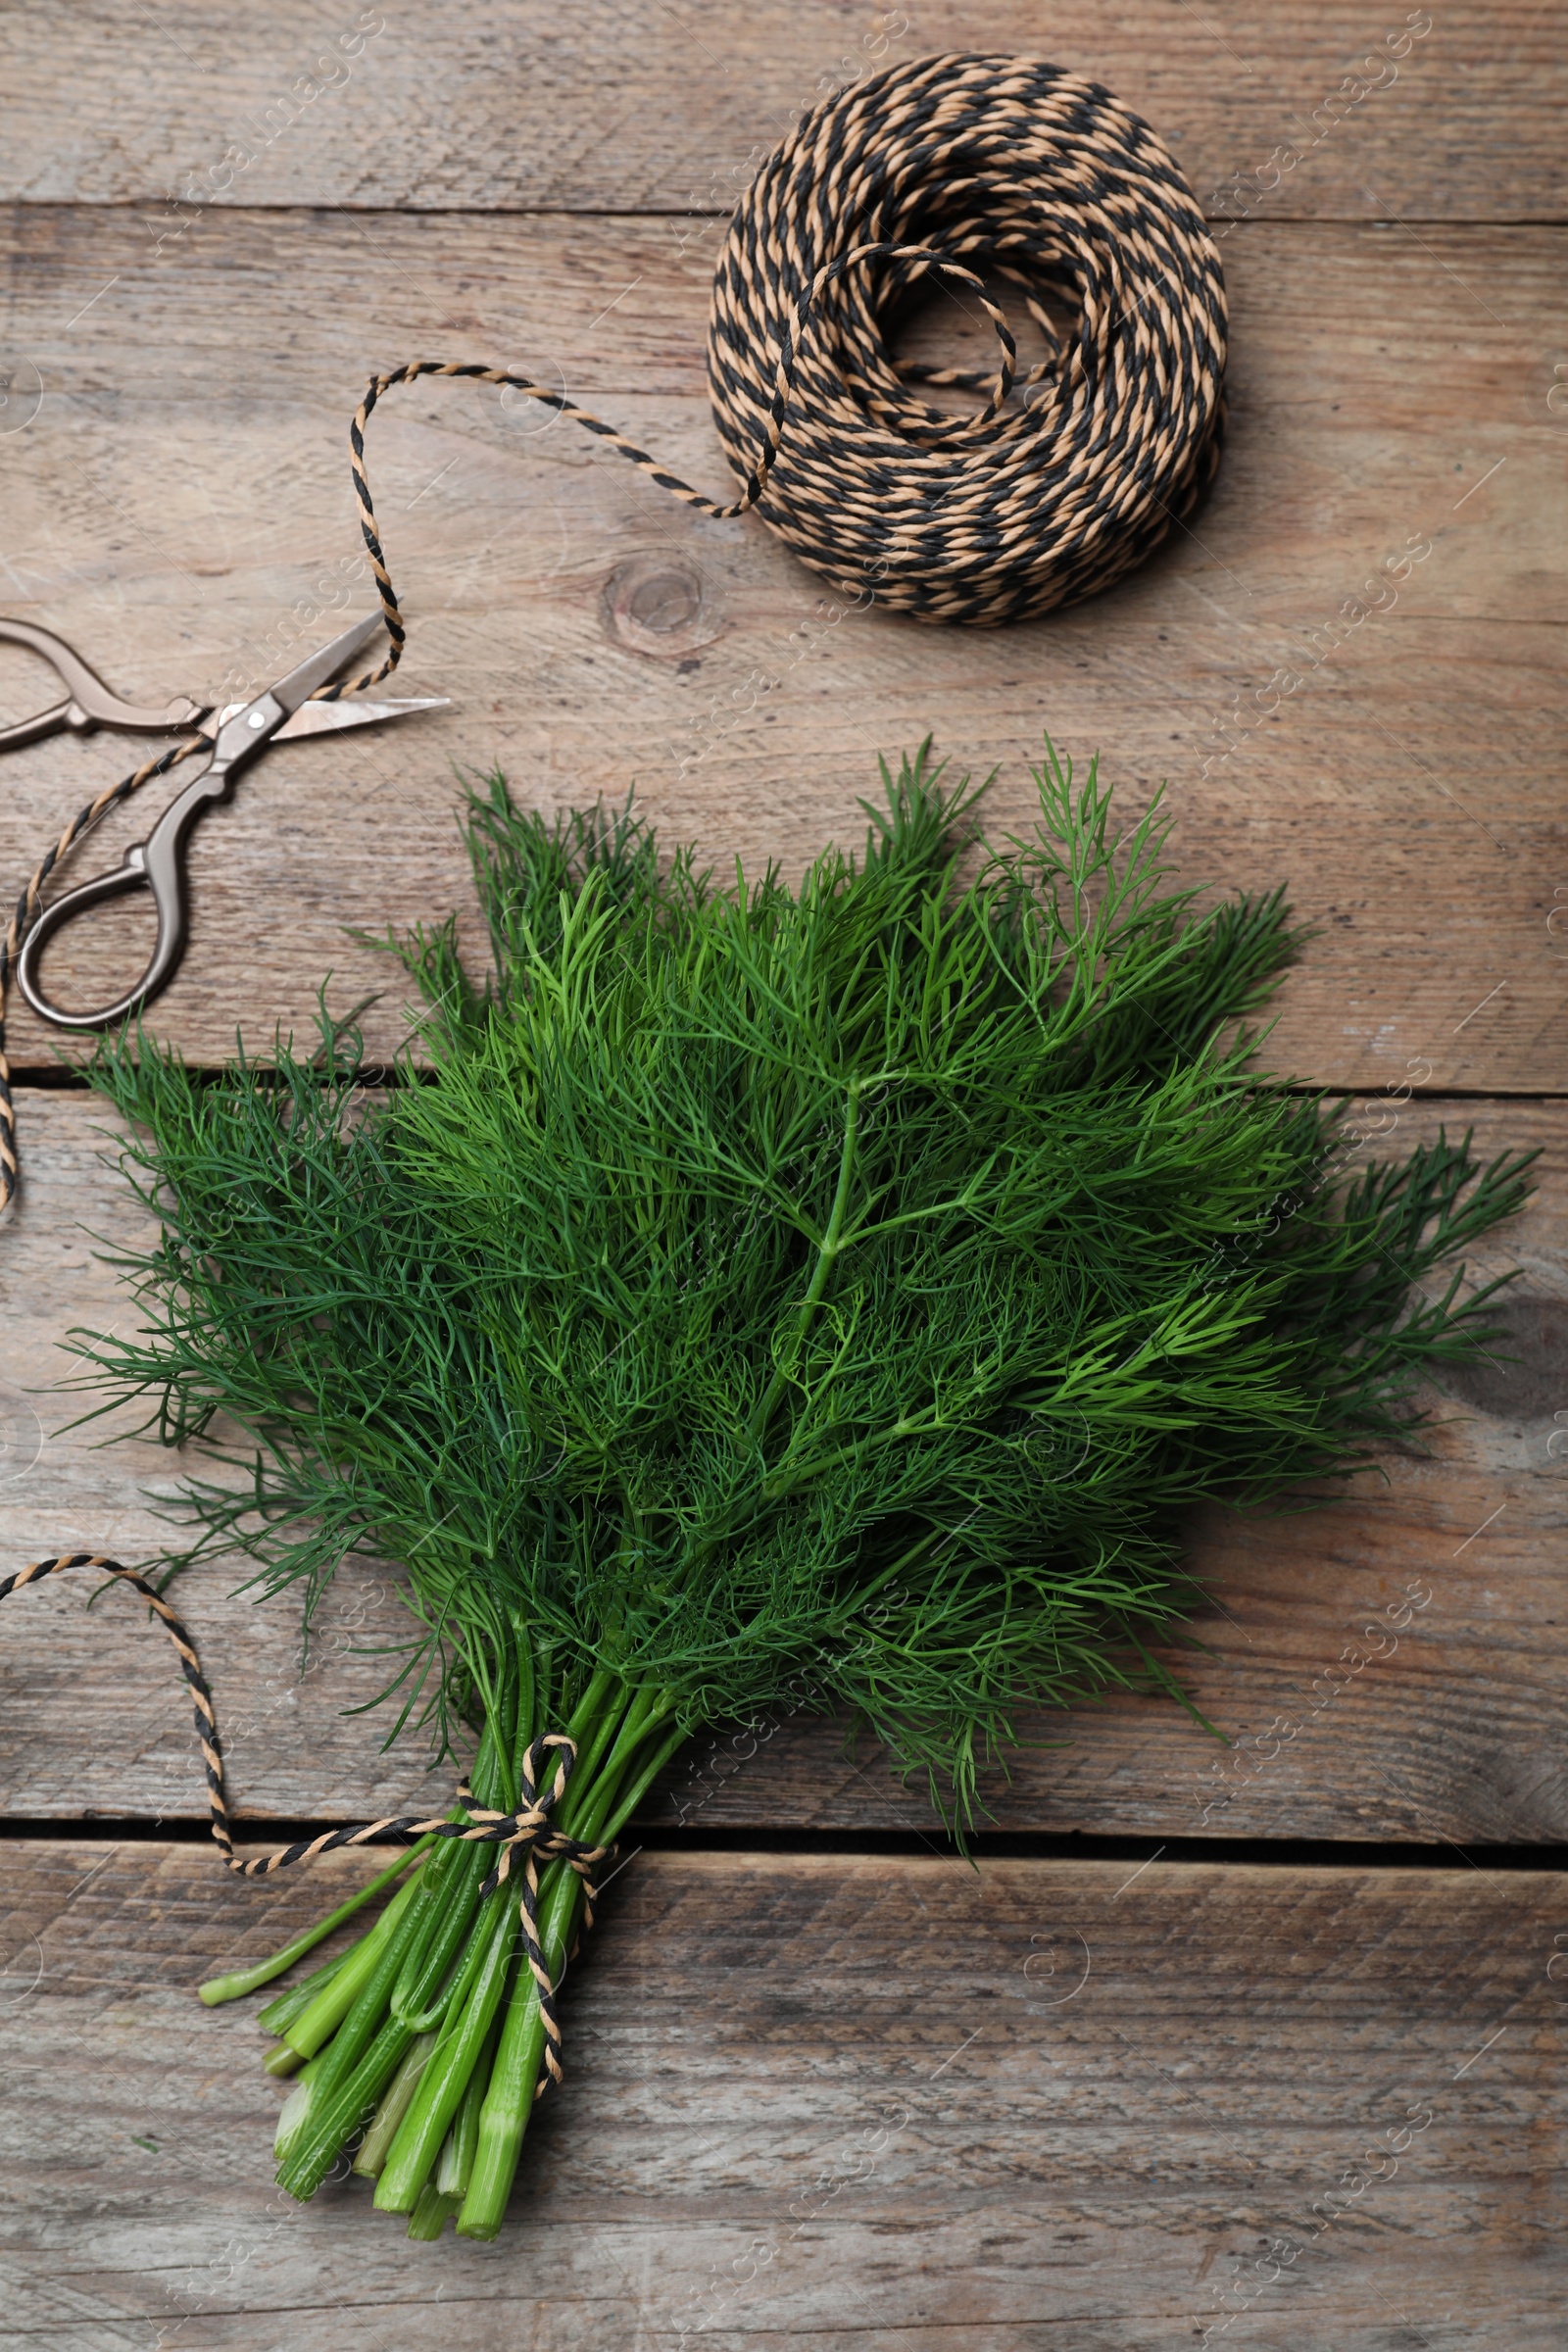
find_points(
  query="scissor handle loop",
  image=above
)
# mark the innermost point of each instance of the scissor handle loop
(156, 864)
(132, 874)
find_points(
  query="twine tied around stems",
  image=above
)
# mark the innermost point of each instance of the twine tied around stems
(525, 1832)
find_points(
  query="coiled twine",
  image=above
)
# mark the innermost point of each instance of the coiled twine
(955, 168)
(1073, 472)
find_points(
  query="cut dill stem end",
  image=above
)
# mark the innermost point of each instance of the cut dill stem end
(251, 1979)
(431, 2214)
(754, 1299)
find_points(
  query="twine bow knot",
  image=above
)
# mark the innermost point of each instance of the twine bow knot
(526, 1830)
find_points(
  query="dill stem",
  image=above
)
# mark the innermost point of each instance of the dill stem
(446, 2076)
(297, 1999)
(431, 2214)
(455, 2166)
(251, 1979)
(356, 2023)
(827, 1256)
(591, 1726)
(457, 2066)
(394, 2107)
(337, 2110)
(357, 2065)
(424, 1973)
(510, 2099)
(323, 2014)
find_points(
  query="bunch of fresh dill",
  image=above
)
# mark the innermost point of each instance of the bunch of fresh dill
(757, 1295)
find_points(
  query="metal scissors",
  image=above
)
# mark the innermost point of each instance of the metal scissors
(237, 732)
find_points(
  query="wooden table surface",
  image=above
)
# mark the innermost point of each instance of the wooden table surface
(1258, 2042)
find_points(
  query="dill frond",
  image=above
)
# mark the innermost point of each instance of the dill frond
(832, 1296)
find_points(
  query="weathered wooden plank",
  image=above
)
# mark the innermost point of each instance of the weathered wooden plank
(1432, 1726)
(93, 1662)
(1441, 113)
(843, 2101)
(180, 506)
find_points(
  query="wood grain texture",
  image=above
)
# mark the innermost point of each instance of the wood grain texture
(839, 2102)
(1390, 1666)
(178, 505)
(506, 107)
(892, 2106)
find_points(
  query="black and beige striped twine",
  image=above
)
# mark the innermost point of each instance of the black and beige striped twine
(958, 169)
(525, 1832)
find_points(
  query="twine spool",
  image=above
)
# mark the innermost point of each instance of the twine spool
(1067, 478)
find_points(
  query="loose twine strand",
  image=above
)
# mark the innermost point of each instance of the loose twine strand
(525, 1834)
(939, 168)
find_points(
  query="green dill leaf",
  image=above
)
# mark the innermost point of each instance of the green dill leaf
(834, 1297)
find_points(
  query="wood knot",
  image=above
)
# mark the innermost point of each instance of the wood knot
(653, 606)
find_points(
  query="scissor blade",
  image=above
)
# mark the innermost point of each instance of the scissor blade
(326, 718)
(301, 683)
(330, 718)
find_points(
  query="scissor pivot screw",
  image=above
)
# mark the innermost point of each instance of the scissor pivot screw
(257, 718)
